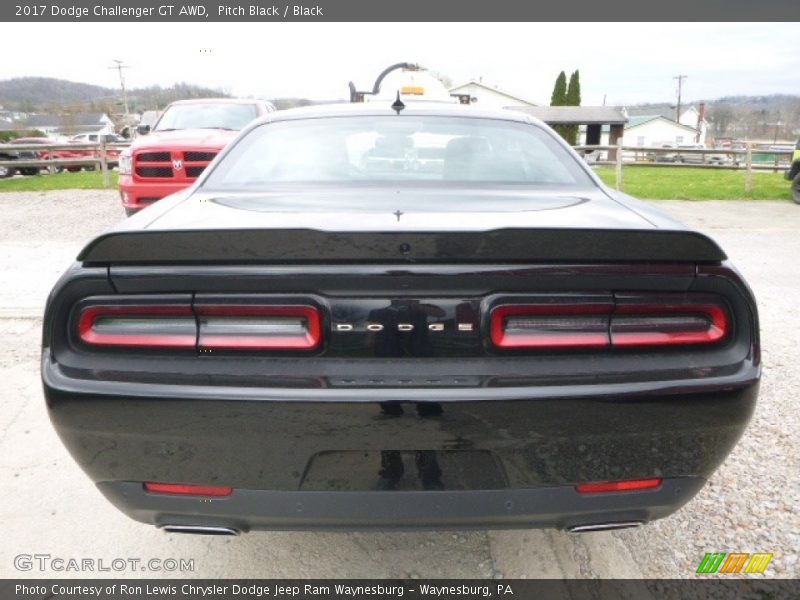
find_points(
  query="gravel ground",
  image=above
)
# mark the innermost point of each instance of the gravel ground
(748, 506)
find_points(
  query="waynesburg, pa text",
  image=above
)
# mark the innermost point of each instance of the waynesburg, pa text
(275, 590)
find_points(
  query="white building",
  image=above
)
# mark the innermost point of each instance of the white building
(486, 96)
(656, 130)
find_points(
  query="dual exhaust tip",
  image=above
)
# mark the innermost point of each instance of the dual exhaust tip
(200, 529)
(611, 526)
(212, 530)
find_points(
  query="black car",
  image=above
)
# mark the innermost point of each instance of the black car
(417, 315)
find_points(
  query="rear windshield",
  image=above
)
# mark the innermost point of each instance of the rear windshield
(222, 115)
(400, 149)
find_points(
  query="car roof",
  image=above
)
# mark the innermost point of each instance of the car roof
(420, 108)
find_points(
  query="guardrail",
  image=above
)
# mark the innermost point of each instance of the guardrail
(99, 159)
(710, 158)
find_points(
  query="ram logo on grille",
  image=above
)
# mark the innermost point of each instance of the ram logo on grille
(177, 164)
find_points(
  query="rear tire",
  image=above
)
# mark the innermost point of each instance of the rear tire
(796, 188)
(6, 172)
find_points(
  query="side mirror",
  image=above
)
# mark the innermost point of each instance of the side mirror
(143, 129)
(126, 133)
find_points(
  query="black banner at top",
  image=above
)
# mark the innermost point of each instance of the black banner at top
(397, 10)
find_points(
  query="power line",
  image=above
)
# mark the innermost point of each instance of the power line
(680, 79)
(119, 66)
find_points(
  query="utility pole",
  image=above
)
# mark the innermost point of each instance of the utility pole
(680, 79)
(119, 66)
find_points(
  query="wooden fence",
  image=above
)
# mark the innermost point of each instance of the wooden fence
(695, 158)
(97, 155)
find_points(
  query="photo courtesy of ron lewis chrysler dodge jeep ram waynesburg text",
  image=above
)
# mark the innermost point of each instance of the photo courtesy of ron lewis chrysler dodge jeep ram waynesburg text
(399, 314)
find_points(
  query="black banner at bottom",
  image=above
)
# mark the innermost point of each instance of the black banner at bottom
(373, 589)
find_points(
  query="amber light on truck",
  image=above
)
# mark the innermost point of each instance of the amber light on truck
(631, 320)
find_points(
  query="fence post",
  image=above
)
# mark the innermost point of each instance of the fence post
(748, 177)
(619, 165)
(103, 162)
(51, 155)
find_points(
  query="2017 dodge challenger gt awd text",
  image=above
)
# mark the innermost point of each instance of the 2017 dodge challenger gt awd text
(417, 315)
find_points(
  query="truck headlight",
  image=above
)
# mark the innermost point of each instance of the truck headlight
(125, 163)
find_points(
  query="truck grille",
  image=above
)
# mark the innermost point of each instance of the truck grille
(199, 156)
(153, 156)
(154, 171)
(161, 165)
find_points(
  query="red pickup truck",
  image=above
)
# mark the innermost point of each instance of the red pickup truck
(184, 140)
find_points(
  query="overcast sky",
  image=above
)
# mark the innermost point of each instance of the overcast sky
(628, 63)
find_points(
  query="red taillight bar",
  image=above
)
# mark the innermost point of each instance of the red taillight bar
(185, 489)
(550, 325)
(204, 326)
(138, 325)
(629, 485)
(631, 320)
(263, 327)
(659, 324)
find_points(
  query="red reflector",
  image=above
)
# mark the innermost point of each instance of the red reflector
(138, 325)
(184, 489)
(261, 327)
(550, 325)
(618, 486)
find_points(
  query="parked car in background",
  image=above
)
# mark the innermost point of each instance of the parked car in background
(187, 136)
(793, 173)
(112, 154)
(26, 155)
(395, 314)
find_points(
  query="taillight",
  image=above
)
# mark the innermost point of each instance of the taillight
(628, 485)
(183, 489)
(630, 320)
(165, 326)
(247, 327)
(204, 326)
(668, 320)
(550, 325)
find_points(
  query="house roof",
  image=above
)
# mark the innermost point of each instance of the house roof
(76, 119)
(493, 89)
(576, 115)
(642, 119)
(664, 111)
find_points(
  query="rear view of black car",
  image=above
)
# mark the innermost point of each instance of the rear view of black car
(419, 316)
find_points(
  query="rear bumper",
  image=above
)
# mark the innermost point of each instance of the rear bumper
(559, 507)
(316, 458)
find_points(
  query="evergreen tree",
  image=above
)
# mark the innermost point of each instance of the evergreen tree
(573, 98)
(559, 98)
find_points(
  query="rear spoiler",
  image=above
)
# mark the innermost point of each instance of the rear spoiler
(314, 246)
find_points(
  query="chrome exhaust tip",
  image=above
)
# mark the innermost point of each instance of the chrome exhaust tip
(200, 529)
(604, 526)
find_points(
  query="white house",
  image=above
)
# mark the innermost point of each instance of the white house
(656, 130)
(486, 96)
